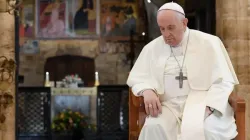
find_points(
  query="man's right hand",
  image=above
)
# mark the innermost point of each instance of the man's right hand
(152, 103)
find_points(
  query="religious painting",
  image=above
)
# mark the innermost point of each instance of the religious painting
(82, 17)
(66, 18)
(26, 26)
(118, 18)
(30, 47)
(51, 19)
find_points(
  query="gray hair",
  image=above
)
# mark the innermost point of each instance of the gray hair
(180, 16)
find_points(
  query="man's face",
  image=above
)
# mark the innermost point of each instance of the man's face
(171, 26)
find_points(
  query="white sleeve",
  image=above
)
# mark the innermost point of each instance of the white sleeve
(218, 95)
(140, 77)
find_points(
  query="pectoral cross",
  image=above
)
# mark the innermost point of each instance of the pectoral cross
(180, 78)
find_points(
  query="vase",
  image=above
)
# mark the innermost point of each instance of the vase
(73, 85)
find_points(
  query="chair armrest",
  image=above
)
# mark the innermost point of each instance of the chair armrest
(135, 100)
(138, 102)
(238, 104)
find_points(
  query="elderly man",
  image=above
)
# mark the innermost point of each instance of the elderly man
(185, 77)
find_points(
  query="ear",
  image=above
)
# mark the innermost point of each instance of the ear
(185, 22)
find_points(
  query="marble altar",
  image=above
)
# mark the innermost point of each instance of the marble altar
(83, 100)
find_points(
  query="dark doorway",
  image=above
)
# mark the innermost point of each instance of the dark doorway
(60, 66)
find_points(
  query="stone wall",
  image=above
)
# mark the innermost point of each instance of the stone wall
(111, 59)
(232, 19)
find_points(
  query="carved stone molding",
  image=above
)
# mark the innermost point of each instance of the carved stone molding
(7, 71)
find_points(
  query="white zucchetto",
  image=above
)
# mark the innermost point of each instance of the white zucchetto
(172, 6)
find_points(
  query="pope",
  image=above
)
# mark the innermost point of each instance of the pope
(185, 77)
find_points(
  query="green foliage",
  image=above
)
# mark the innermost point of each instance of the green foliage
(69, 121)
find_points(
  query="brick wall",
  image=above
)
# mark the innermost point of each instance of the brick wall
(110, 59)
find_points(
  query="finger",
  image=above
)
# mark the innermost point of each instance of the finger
(146, 108)
(159, 106)
(151, 111)
(155, 109)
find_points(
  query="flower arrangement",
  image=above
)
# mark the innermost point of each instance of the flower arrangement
(69, 121)
(69, 79)
(72, 81)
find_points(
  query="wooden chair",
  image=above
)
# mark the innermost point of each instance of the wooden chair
(137, 115)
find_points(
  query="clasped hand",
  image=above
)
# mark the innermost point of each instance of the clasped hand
(152, 103)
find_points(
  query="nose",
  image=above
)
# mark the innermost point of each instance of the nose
(166, 34)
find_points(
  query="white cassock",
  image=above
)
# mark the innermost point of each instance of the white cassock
(211, 79)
